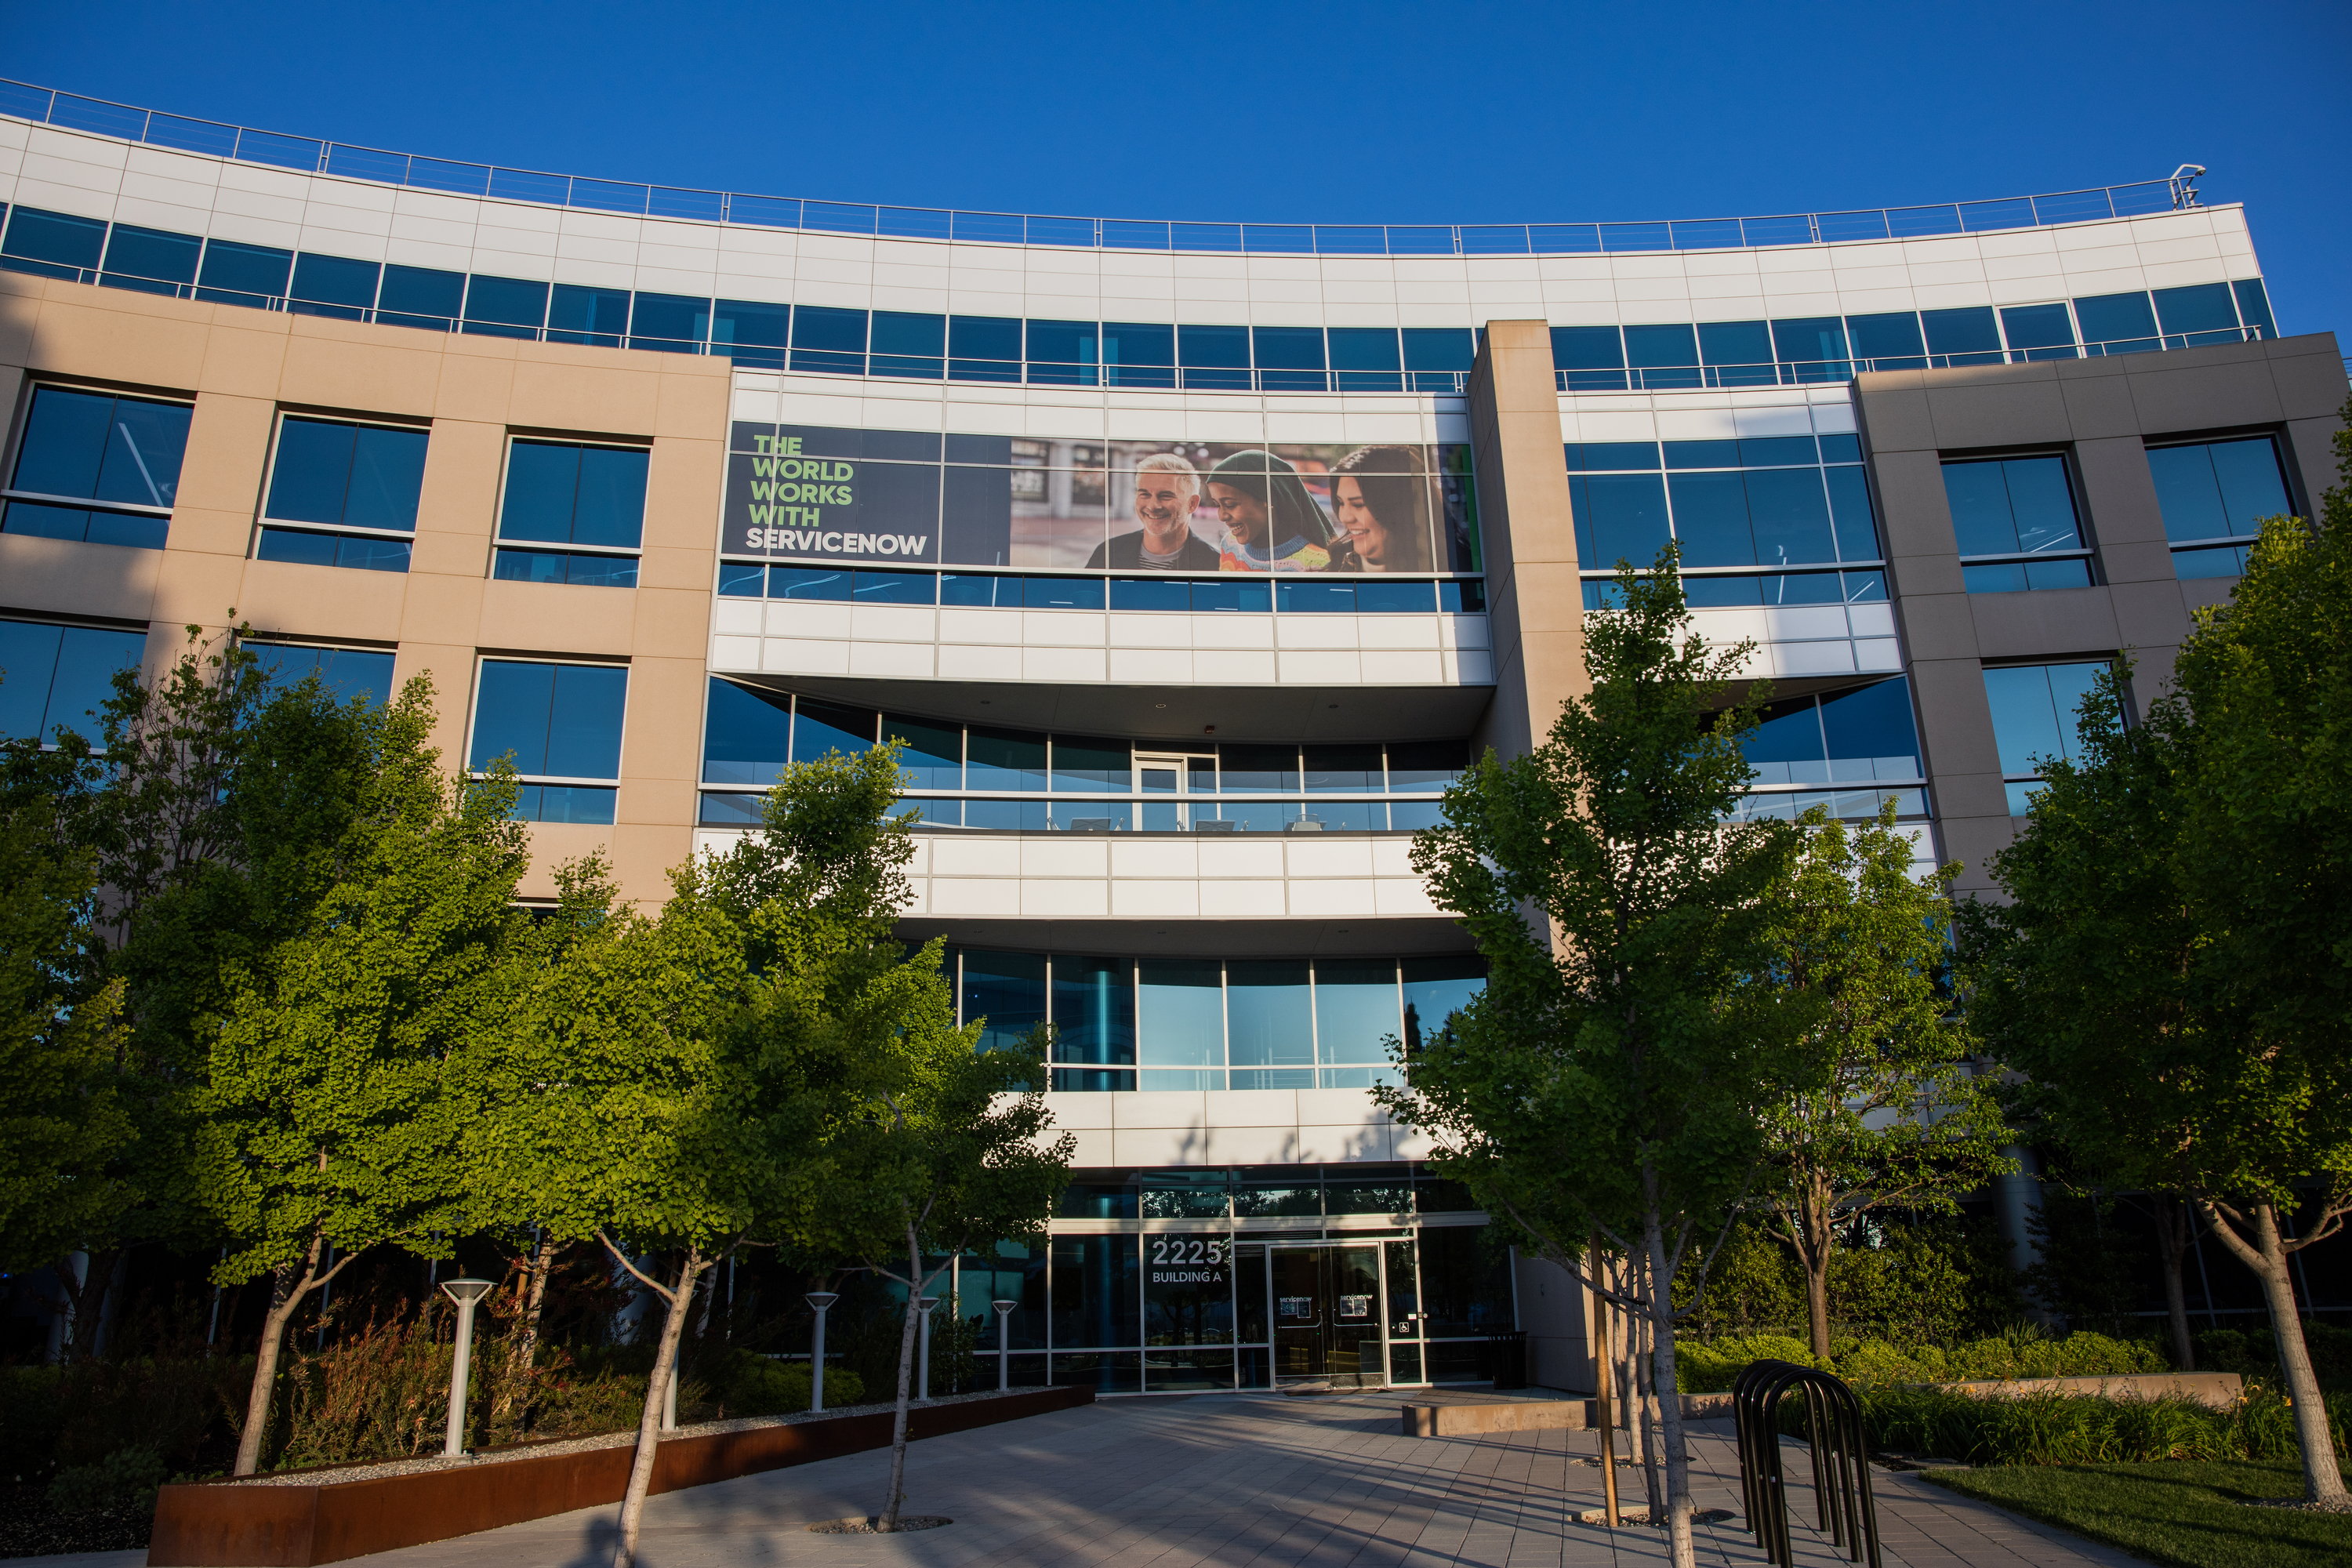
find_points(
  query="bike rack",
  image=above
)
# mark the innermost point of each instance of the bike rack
(1840, 1460)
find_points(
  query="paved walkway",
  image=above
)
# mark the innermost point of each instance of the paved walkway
(1228, 1480)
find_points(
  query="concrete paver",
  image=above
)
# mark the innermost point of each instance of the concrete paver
(1240, 1481)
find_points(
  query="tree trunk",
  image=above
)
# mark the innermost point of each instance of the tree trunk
(1627, 1352)
(543, 1264)
(87, 1296)
(1645, 1379)
(1681, 1551)
(641, 1467)
(286, 1294)
(2175, 1230)
(2266, 1255)
(906, 1382)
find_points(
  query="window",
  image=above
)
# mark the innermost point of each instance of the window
(1840, 750)
(590, 501)
(353, 488)
(560, 724)
(2015, 522)
(347, 672)
(2036, 711)
(83, 448)
(56, 678)
(1733, 505)
(2212, 492)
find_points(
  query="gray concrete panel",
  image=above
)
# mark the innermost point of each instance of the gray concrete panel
(2119, 494)
(1894, 415)
(2180, 400)
(2100, 406)
(2308, 373)
(1915, 514)
(2150, 616)
(2023, 625)
(1937, 626)
(2311, 461)
(2028, 411)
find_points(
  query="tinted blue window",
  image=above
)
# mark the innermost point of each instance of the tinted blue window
(64, 243)
(972, 591)
(1303, 598)
(1743, 348)
(1618, 517)
(2035, 710)
(753, 333)
(1004, 760)
(746, 734)
(671, 323)
(1791, 516)
(1710, 519)
(2122, 322)
(820, 729)
(2012, 506)
(1702, 454)
(1434, 990)
(345, 287)
(823, 327)
(894, 588)
(2254, 306)
(1357, 1009)
(1889, 341)
(1149, 593)
(243, 273)
(1439, 349)
(1777, 451)
(1869, 732)
(1395, 598)
(60, 676)
(2218, 489)
(352, 551)
(96, 446)
(1007, 990)
(808, 582)
(1596, 456)
(984, 348)
(1841, 449)
(1814, 344)
(563, 719)
(1094, 1011)
(2044, 331)
(1857, 529)
(932, 755)
(507, 301)
(910, 344)
(1969, 335)
(738, 580)
(1269, 1017)
(364, 475)
(2204, 313)
(1062, 593)
(1214, 347)
(1063, 343)
(419, 297)
(347, 672)
(136, 255)
(1662, 352)
(1786, 747)
(1244, 596)
(1290, 359)
(1137, 354)
(1593, 359)
(566, 494)
(1365, 349)
(577, 314)
(1080, 763)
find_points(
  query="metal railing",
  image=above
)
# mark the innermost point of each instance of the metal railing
(314, 155)
(1797, 373)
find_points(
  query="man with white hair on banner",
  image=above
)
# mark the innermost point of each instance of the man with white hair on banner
(1167, 488)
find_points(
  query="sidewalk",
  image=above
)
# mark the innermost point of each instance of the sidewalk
(1234, 1480)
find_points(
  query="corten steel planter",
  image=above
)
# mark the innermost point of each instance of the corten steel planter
(259, 1523)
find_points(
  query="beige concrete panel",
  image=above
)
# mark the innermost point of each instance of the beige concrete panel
(200, 531)
(694, 394)
(20, 313)
(360, 370)
(443, 609)
(477, 380)
(60, 576)
(674, 623)
(651, 802)
(106, 334)
(641, 856)
(450, 669)
(662, 738)
(465, 462)
(246, 354)
(553, 843)
(594, 390)
(229, 452)
(322, 602)
(197, 588)
(677, 569)
(557, 618)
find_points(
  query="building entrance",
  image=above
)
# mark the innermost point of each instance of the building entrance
(1327, 1315)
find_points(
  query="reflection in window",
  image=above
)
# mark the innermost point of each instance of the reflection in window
(2015, 521)
(56, 678)
(2037, 711)
(590, 497)
(2213, 491)
(357, 484)
(347, 672)
(560, 726)
(124, 454)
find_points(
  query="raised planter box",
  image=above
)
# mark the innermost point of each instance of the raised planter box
(280, 1523)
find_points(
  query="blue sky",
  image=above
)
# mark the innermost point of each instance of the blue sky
(1357, 113)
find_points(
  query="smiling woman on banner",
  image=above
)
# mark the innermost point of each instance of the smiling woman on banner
(1271, 524)
(1379, 493)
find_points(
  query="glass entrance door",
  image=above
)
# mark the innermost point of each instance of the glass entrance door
(1165, 782)
(1327, 1315)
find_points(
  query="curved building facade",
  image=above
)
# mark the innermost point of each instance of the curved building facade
(1192, 562)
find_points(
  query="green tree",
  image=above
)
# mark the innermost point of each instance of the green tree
(62, 1126)
(1614, 1072)
(1888, 1109)
(944, 1150)
(2173, 964)
(331, 1122)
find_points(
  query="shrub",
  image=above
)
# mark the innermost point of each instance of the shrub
(2018, 1352)
(125, 1479)
(1710, 1367)
(743, 1383)
(2252, 1353)
(2057, 1429)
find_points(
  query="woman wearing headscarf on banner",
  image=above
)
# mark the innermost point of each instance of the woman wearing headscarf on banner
(1380, 496)
(1271, 524)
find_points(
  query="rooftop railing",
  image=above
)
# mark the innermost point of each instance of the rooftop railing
(312, 155)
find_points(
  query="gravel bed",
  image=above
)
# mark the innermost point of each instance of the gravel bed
(335, 1475)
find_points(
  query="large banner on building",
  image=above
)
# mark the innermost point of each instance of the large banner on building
(805, 492)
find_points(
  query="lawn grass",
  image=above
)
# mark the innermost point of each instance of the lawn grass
(2183, 1514)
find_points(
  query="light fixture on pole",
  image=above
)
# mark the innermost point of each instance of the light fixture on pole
(466, 1293)
(820, 1299)
(924, 1304)
(1004, 1342)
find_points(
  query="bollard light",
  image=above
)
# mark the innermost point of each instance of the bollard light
(924, 1304)
(820, 1299)
(467, 1294)
(1004, 1342)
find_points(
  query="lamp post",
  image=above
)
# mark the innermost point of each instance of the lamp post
(1004, 1342)
(466, 1293)
(924, 1304)
(820, 1299)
